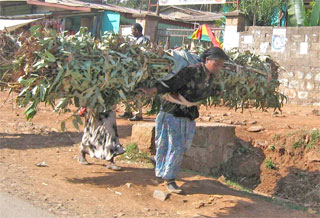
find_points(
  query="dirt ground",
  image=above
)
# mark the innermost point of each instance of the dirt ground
(69, 189)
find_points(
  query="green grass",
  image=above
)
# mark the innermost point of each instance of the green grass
(272, 148)
(269, 164)
(298, 143)
(134, 154)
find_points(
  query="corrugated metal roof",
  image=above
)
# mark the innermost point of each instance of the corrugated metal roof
(10, 25)
(80, 4)
(26, 16)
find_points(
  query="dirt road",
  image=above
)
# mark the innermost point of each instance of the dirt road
(68, 189)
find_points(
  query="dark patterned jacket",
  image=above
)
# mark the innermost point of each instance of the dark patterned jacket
(190, 82)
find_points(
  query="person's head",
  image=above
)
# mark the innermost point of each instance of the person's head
(214, 59)
(136, 30)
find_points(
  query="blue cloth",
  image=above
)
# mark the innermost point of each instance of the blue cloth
(172, 138)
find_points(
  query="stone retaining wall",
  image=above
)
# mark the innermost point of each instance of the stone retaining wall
(213, 145)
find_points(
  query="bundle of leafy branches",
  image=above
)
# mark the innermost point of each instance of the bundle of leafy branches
(62, 70)
(80, 70)
(248, 79)
(8, 48)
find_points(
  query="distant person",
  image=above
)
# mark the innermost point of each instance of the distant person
(139, 40)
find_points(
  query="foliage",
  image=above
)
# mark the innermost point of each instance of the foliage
(263, 10)
(133, 153)
(272, 148)
(298, 143)
(80, 70)
(269, 164)
(248, 79)
(297, 15)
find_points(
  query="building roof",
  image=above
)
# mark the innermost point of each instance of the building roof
(89, 7)
(192, 15)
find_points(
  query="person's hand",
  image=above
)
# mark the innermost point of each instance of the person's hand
(148, 91)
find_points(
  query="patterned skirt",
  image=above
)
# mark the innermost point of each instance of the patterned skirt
(173, 137)
(100, 137)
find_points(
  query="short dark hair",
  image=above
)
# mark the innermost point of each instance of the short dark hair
(214, 53)
(138, 27)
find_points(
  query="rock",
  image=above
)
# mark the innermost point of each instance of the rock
(245, 144)
(200, 204)
(207, 118)
(129, 185)
(315, 112)
(160, 195)
(313, 156)
(42, 164)
(228, 121)
(238, 123)
(253, 122)
(260, 143)
(311, 211)
(255, 129)
(222, 179)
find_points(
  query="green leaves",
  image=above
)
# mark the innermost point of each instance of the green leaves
(296, 13)
(315, 14)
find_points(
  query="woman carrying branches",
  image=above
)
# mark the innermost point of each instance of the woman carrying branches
(175, 123)
(100, 138)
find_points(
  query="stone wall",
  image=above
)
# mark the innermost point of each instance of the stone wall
(213, 145)
(297, 50)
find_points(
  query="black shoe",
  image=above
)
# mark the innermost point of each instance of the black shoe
(126, 115)
(173, 188)
(136, 118)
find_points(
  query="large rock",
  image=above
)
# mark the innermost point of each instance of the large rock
(213, 145)
(143, 136)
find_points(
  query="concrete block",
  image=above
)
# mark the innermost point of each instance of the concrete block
(308, 76)
(305, 30)
(292, 31)
(297, 38)
(310, 86)
(314, 38)
(316, 29)
(315, 46)
(213, 145)
(143, 135)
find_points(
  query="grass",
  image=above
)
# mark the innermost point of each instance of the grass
(298, 143)
(269, 164)
(134, 154)
(272, 148)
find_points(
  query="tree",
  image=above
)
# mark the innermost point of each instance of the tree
(297, 15)
(260, 10)
(137, 4)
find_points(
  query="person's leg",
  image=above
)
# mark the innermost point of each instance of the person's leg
(127, 111)
(138, 114)
(172, 140)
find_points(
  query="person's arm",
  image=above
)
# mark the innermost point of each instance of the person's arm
(176, 82)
